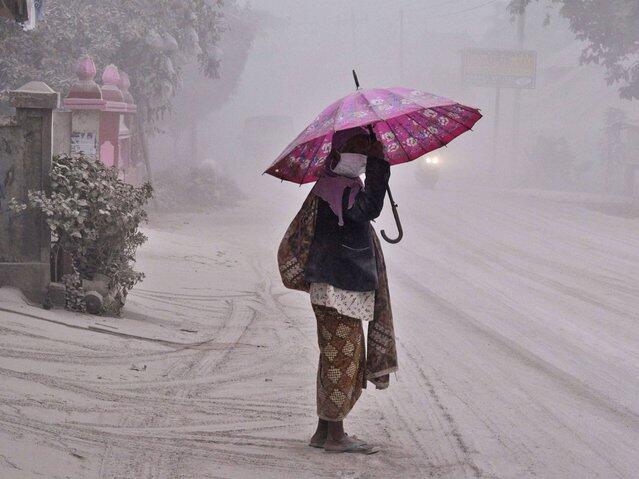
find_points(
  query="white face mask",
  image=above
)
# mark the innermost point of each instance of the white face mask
(351, 165)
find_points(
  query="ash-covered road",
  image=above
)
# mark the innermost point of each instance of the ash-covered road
(518, 338)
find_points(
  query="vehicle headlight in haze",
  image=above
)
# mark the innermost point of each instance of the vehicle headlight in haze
(432, 160)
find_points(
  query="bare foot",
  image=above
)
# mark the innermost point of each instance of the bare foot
(350, 444)
(319, 438)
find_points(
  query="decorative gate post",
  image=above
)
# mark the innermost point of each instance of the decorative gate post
(25, 165)
(85, 102)
(111, 114)
(126, 126)
(101, 115)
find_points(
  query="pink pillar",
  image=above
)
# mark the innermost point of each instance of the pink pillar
(126, 127)
(110, 124)
(85, 102)
(100, 115)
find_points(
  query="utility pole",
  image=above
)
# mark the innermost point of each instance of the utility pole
(354, 36)
(521, 38)
(401, 45)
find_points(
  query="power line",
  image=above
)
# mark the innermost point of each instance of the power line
(342, 20)
(477, 7)
(423, 8)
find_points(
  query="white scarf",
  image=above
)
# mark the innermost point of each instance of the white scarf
(351, 165)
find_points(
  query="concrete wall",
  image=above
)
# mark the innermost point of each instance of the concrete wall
(25, 163)
(61, 132)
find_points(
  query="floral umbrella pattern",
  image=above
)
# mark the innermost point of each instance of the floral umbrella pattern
(409, 123)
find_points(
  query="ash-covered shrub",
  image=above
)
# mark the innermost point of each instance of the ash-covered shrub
(94, 218)
(194, 189)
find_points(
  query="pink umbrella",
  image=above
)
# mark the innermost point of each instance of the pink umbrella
(410, 123)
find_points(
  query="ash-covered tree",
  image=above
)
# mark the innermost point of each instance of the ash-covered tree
(151, 40)
(610, 30)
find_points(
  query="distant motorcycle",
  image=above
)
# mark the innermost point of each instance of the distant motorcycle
(428, 170)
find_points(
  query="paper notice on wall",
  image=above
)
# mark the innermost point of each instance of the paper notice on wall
(84, 143)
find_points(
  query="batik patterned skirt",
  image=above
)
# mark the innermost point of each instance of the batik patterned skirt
(341, 373)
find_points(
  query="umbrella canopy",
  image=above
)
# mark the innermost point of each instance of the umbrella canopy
(409, 123)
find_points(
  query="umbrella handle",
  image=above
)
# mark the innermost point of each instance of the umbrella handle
(400, 230)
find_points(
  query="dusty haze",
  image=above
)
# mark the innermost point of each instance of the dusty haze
(515, 291)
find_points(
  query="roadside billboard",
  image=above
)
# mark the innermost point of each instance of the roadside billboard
(499, 68)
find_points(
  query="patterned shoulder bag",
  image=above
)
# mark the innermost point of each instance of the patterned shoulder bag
(294, 249)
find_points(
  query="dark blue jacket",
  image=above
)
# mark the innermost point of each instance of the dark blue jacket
(344, 256)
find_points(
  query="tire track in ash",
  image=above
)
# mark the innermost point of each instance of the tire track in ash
(460, 446)
(421, 423)
(119, 394)
(562, 378)
(187, 369)
(576, 289)
(525, 440)
(199, 370)
(486, 244)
